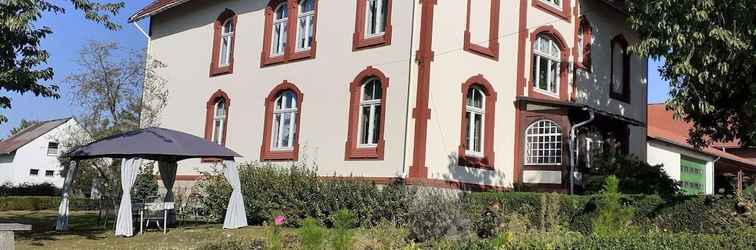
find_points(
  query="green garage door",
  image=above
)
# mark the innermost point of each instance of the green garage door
(692, 175)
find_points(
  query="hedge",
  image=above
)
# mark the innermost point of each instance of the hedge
(11, 203)
(696, 214)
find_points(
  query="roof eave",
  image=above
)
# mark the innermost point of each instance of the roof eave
(144, 14)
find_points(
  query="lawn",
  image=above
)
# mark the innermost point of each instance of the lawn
(84, 233)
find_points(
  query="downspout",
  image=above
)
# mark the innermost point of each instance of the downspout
(573, 161)
(407, 116)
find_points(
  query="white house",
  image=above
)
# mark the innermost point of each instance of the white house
(705, 170)
(472, 94)
(31, 155)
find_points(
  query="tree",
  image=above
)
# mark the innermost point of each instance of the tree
(21, 126)
(117, 90)
(22, 60)
(146, 185)
(710, 63)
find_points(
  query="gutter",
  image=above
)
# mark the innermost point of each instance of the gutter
(573, 152)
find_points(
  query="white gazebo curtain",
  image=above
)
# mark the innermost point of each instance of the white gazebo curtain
(235, 213)
(129, 169)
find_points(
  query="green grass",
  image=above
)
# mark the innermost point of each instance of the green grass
(85, 234)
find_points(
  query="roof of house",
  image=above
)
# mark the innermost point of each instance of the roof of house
(28, 134)
(155, 7)
(662, 126)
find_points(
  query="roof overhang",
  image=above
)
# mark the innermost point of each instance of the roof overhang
(733, 159)
(536, 104)
(155, 8)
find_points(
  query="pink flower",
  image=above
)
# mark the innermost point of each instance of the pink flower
(279, 220)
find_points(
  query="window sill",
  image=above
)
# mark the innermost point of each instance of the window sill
(564, 13)
(288, 155)
(475, 162)
(353, 152)
(361, 43)
(217, 71)
(491, 52)
(625, 98)
(287, 58)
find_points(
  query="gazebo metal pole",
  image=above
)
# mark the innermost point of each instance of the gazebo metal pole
(63, 209)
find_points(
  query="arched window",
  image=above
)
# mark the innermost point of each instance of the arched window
(477, 128)
(227, 34)
(284, 121)
(620, 75)
(543, 143)
(283, 109)
(216, 122)
(546, 65)
(223, 44)
(280, 28)
(370, 112)
(583, 44)
(375, 17)
(475, 117)
(367, 111)
(305, 24)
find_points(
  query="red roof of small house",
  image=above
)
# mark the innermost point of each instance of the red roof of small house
(28, 134)
(155, 7)
(662, 126)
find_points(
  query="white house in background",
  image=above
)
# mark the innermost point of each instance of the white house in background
(705, 170)
(31, 155)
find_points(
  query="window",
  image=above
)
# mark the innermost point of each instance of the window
(546, 65)
(474, 115)
(223, 44)
(692, 175)
(306, 21)
(280, 28)
(290, 28)
(52, 148)
(543, 142)
(216, 123)
(477, 128)
(283, 109)
(49, 173)
(33, 172)
(555, 3)
(367, 112)
(620, 74)
(284, 121)
(491, 49)
(373, 24)
(583, 44)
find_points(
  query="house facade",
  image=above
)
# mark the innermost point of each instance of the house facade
(31, 155)
(466, 94)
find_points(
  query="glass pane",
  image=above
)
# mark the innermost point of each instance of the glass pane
(364, 128)
(467, 131)
(543, 73)
(228, 27)
(276, 128)
(217, 131)
(307, 6)
(291, 100)
(384, 16)
(377, 124)
(224, 50)
(286, 130)
(478, 132)
(282, 11)
(554, 76)
(371, 17)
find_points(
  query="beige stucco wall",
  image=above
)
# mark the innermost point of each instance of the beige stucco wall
(182, 38)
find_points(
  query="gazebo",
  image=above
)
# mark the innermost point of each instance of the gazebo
(165, 146)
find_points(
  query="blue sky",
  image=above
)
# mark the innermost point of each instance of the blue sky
(71, 34)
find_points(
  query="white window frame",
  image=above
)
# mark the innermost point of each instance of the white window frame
(539, 133)
(57, 149)
(552, 58)
(554, 3)
(305, 26)
(51, 175)
(618, 66)
(279, 111)
(471, 112)
(380, 20)
(32, 170)
(375, 105)
(280, 30)
(226, 41)
(219, 121)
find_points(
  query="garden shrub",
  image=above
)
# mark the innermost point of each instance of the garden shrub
(234, 245)
(312, 234)
(635, 176)
(343, 221)
(386, 235)
(705, 214)
(612, 217)
(146, 185)
(34, 203)
(436, 215)
(28, 189)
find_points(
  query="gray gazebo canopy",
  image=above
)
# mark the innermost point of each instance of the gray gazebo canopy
(165, 146)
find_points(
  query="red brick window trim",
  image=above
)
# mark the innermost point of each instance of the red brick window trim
(211, 106)
(583, 43)
(224, 41)
(552, 34)
(288, 103)
(619, 43)
(362, 40)
(288, 29)
(471, 89)
(368, 100)
(545, 5)
(492, 50)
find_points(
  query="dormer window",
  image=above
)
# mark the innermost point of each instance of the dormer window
(52, 148)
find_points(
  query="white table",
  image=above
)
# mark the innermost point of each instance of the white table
(7, 237)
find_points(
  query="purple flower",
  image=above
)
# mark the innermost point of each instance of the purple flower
(279, 220)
